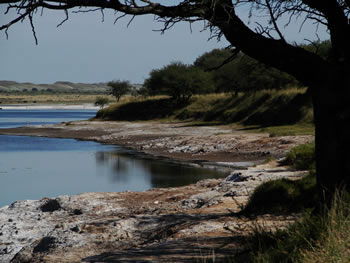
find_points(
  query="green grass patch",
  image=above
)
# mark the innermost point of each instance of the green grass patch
(141, 109)
(321, 234)
(282, 197)
(286, 196)
(302, 157)
(289, 130)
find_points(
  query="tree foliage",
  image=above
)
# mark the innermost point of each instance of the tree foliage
(101, 102)
(179, 81)
(239, 72)
(119, 88)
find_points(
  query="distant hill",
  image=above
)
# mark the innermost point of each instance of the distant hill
(57, 87)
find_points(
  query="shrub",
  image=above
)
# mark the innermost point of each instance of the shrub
(179, 81)
(241, 73)
(119, 88)
(302, 157)
(101, 102)
(315, 237)
(283, 196)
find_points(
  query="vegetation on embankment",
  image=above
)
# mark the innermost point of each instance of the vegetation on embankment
(263, 108)
(322, 232)
(315, 237)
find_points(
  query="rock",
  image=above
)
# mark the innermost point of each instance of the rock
(76, 229)
(45, 244)
(24, 256)
(236, 177)
(77, 212)
(50, 205)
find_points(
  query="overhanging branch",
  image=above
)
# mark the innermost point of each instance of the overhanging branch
(221, 18)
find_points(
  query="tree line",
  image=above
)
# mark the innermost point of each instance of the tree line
(217, 71)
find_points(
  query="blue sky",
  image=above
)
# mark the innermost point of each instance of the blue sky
(86, 50)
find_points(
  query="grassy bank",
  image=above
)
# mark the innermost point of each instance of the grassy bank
(315, 237)
(253, 110)
(321, 234)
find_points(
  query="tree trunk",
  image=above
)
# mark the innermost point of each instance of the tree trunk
(332, 125)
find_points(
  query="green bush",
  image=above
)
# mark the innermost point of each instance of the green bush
(101, 102)
(179, 81)
(119, 88)
(241, 73)
(283, 196)
(148, 109)
(302, 157)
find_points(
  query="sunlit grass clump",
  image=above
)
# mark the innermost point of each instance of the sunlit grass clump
(322, 236)
(322, 232)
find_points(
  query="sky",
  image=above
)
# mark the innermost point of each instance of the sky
(85, 49)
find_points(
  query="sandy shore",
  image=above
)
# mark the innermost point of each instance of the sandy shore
(183, 224)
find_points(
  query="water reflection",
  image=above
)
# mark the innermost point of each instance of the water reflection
(159, 173)
(117, 166)
(35, 167)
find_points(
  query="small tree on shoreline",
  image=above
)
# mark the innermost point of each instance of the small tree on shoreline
(101, 102)
(119, 88)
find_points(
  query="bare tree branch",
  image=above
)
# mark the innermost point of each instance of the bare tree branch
(235, 52)
(64, 20)
(273, 20)
(30, 16)
(14, 21)
(221, 18)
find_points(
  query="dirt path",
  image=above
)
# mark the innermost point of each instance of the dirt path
(184, 224)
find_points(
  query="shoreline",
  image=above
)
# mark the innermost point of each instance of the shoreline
(176, 224)
(180, 141)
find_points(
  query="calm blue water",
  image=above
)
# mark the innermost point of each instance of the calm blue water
(16, 118)
(36, 167)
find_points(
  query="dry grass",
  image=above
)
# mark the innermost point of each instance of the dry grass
(261, 109)
(316, 237)
(50, 99)
(334, 244)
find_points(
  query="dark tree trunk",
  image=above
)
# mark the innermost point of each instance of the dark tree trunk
(330, 89)
(332, 125)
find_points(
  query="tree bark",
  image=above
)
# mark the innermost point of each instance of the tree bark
(330, 89)
(332, 126)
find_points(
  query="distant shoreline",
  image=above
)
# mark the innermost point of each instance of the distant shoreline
(83, 106)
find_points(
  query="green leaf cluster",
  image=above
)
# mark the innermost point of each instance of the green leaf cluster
(119, 88)
(101, 101)
(179, 81)
(241, 72)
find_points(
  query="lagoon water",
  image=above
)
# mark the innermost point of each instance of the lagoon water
(36, 167)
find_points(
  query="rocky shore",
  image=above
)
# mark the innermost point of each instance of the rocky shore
(176, 140)
(184, 224)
